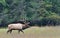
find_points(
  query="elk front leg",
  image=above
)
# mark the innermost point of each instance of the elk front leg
(18, 31)
(22, 31)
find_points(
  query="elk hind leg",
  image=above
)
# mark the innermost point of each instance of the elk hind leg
(9, 31)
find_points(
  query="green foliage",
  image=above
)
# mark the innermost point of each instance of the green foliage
(3, 2)
(16, 10)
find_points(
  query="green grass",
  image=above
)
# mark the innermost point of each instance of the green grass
(33, 32)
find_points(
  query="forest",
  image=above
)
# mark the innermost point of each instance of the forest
(38, 12)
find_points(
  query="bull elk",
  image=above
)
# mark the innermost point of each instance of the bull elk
(17, 26)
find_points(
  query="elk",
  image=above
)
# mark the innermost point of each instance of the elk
(17, 26)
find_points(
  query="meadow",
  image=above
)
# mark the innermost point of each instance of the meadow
(33, 32)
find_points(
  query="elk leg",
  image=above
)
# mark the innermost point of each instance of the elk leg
(18, 31)
(22, 31)
(10, 31)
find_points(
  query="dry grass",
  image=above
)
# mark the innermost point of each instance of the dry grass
(33, 32)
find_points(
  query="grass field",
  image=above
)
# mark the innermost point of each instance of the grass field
(33, 32)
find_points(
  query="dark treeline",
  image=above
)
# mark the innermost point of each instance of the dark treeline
(37, 12)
